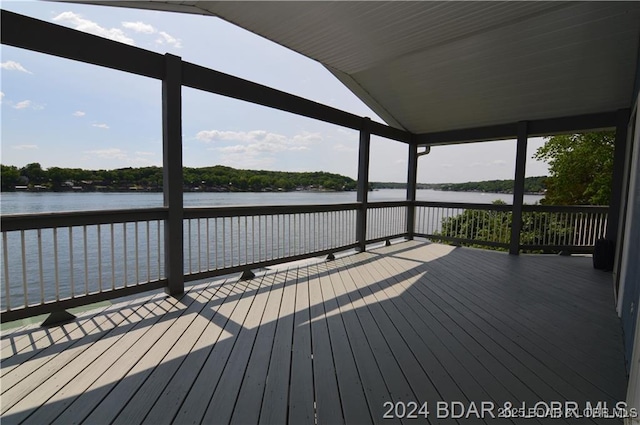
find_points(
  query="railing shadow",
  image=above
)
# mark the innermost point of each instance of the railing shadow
(376, 312)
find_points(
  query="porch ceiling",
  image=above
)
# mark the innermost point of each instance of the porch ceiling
(436, 66)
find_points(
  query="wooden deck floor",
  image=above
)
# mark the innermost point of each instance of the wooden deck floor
(331, 343)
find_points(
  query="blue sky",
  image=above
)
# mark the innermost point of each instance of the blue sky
(67, 114)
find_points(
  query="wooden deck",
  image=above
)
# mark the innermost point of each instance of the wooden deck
(330, 343)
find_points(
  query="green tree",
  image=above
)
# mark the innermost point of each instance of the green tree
(34, 173)
(9, 176)
(580, 167)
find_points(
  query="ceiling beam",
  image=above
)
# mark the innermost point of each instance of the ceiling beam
(541, 127)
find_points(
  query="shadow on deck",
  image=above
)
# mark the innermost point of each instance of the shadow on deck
(331, 343)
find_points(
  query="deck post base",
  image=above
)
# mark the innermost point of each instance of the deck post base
(58, 318)
(247, 275)
(387, 243)
(330, 257)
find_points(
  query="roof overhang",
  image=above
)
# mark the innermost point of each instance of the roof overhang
(438, 66)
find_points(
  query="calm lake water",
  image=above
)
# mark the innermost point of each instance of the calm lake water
(23, 202)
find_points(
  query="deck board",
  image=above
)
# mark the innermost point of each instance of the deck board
(331, 342)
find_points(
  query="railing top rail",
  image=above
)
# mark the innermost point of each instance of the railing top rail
(252, 210)
(592, 209)
(388, 204)
(13, 222)
(463, 205)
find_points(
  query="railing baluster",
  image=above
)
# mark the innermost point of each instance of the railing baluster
(99, 258)
(217, 252)
(40, 267)
(159, 255)
(24, 269)
(113, 257)
(5, 259)
(199, 249)
(246, 241)
(189, 261)
(124, 245)
(86, 261)
(224, 243)
(55, 262)
(73, 287)
(135, 228)
(208, 242)
(148, 253)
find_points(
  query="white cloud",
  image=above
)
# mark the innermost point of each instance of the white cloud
(166, 38)
(101, 126)
(14, 66)
(78, 114)
(342, 148)
(1, 96)
(79, 23)
(145, 153)
(111, 153)
(499, 162)
(24, 147)
(22, 105)
(257, 142)
(140, 27)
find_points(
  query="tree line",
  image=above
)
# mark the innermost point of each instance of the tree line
(215, 178)
(531, 185)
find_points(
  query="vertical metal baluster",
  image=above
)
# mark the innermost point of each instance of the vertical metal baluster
(246, 241)
(199, 249)
(86, 261)
(99, 258)
(224, 242)
(260, 238)
(73, 286)
(113, 257)
(40, 268)
(231, 237)
(239, 242)
(124, 238)
(135, 228)
(148, 253)
(55, 262)
(159, 254)
(190, 268)
(5, 259)
(208, 243)
(215, 229)
(24, 269)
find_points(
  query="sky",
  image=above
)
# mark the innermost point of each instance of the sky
(68, 114)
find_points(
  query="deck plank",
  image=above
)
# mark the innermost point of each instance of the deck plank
(353, 399)
(327, 392)
(224, 398)
(195, 404)
(331, 342)
(216, 316)
(131, 394)
(276, 388)
(251, 393)
(301, 397)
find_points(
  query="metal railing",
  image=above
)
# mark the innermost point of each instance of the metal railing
(386, 220)
(60, 258)
(544, 228)
(225, 240)
(56, 261)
